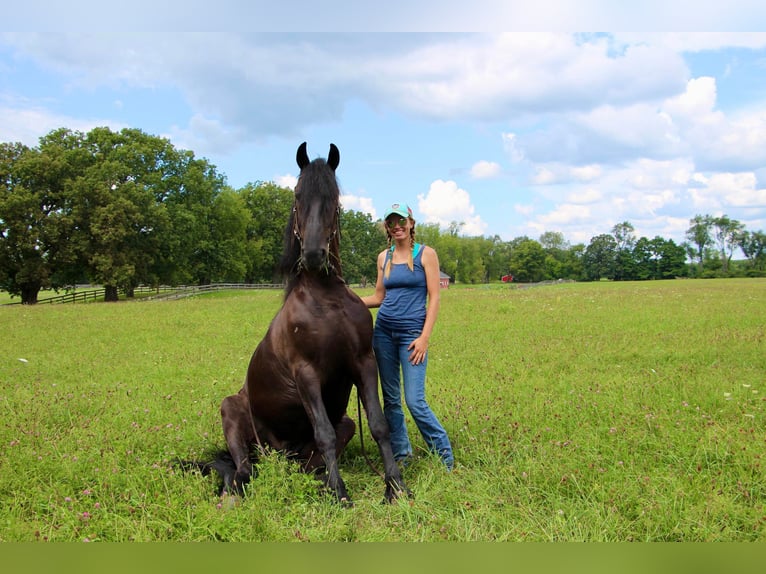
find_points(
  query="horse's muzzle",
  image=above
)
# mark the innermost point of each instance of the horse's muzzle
(314, 259)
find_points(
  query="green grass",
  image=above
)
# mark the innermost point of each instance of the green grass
(596, 412)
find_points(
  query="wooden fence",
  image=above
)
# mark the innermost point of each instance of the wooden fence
(161, 292)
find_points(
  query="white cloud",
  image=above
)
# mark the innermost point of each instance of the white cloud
(699, 41)
(485, 169)
(446, 203)
(358, 203)
(206, 136)
(511, 147)
(289, 181)
(543, 176)
(271, 83)
(25, 121)
(589, 195)
(736, 190)
(525, 210)
(587, 172)
(566, 214)
(508, 75)
(697, 101)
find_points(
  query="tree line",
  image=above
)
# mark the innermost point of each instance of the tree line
(123, 209)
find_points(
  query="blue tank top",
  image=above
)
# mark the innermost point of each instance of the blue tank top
(404, 306)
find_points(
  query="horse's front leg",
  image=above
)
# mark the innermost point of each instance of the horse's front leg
(310, 390)
(368, 391)
(238, 432)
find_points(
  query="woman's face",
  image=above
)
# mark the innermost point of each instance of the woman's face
(398, 226)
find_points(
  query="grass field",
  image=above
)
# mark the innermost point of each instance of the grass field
(578, 412)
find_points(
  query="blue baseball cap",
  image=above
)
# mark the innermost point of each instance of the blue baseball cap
(399, 209)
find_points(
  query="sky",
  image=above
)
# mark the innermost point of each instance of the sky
(510, 133)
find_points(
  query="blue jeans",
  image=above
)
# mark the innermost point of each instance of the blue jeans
(392, 356)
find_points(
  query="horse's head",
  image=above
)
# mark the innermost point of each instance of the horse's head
(316, 211)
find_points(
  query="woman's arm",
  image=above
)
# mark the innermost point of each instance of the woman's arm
(419, 346)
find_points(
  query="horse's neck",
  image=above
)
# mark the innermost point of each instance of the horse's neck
(319, 282)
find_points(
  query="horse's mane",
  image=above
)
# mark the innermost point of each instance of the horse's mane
(316, 183)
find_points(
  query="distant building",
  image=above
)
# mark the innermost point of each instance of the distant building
(443, 280)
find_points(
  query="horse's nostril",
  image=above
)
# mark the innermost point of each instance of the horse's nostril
(314, 258)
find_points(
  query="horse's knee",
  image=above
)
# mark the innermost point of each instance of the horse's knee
(233, 406)
(378, 428)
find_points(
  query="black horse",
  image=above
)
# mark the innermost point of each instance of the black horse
(317, 347)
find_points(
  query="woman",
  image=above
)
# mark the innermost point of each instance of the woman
(407, 292)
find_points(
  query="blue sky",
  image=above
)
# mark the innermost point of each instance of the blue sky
(511, 133)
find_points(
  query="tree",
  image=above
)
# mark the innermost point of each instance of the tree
(190, 202)
(753, 245)
(625, 239)
(672, 259)
(556, 248)
(600, 258)
(361, 241)
(269, 207)
(659, 258)
(450, 253)
(726, 232)
(428, 234)
(228, 247)
(496, 259)
(36, 250)
(471, 267)
(120, 208)
(698, 235)
(573, 266)
(528, 261)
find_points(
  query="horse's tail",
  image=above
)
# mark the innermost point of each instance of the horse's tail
(221, 463)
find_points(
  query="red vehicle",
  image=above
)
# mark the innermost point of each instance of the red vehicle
(507, 278)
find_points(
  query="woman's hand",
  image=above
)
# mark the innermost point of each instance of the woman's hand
(418, 349)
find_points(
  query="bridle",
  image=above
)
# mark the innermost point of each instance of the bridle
(335, 232)
(297, 231)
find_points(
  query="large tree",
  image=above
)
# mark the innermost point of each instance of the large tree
(726, 232)
(269, 207)
(556, 254)
(753, 245)
(600, 258)
(658, 258)
(528, 262)
(36, 222)
(122, 220)
(624, 235)
(115, 208)
(698, 235)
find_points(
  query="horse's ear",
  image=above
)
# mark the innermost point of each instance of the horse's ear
(334, 158)
(302, 157)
